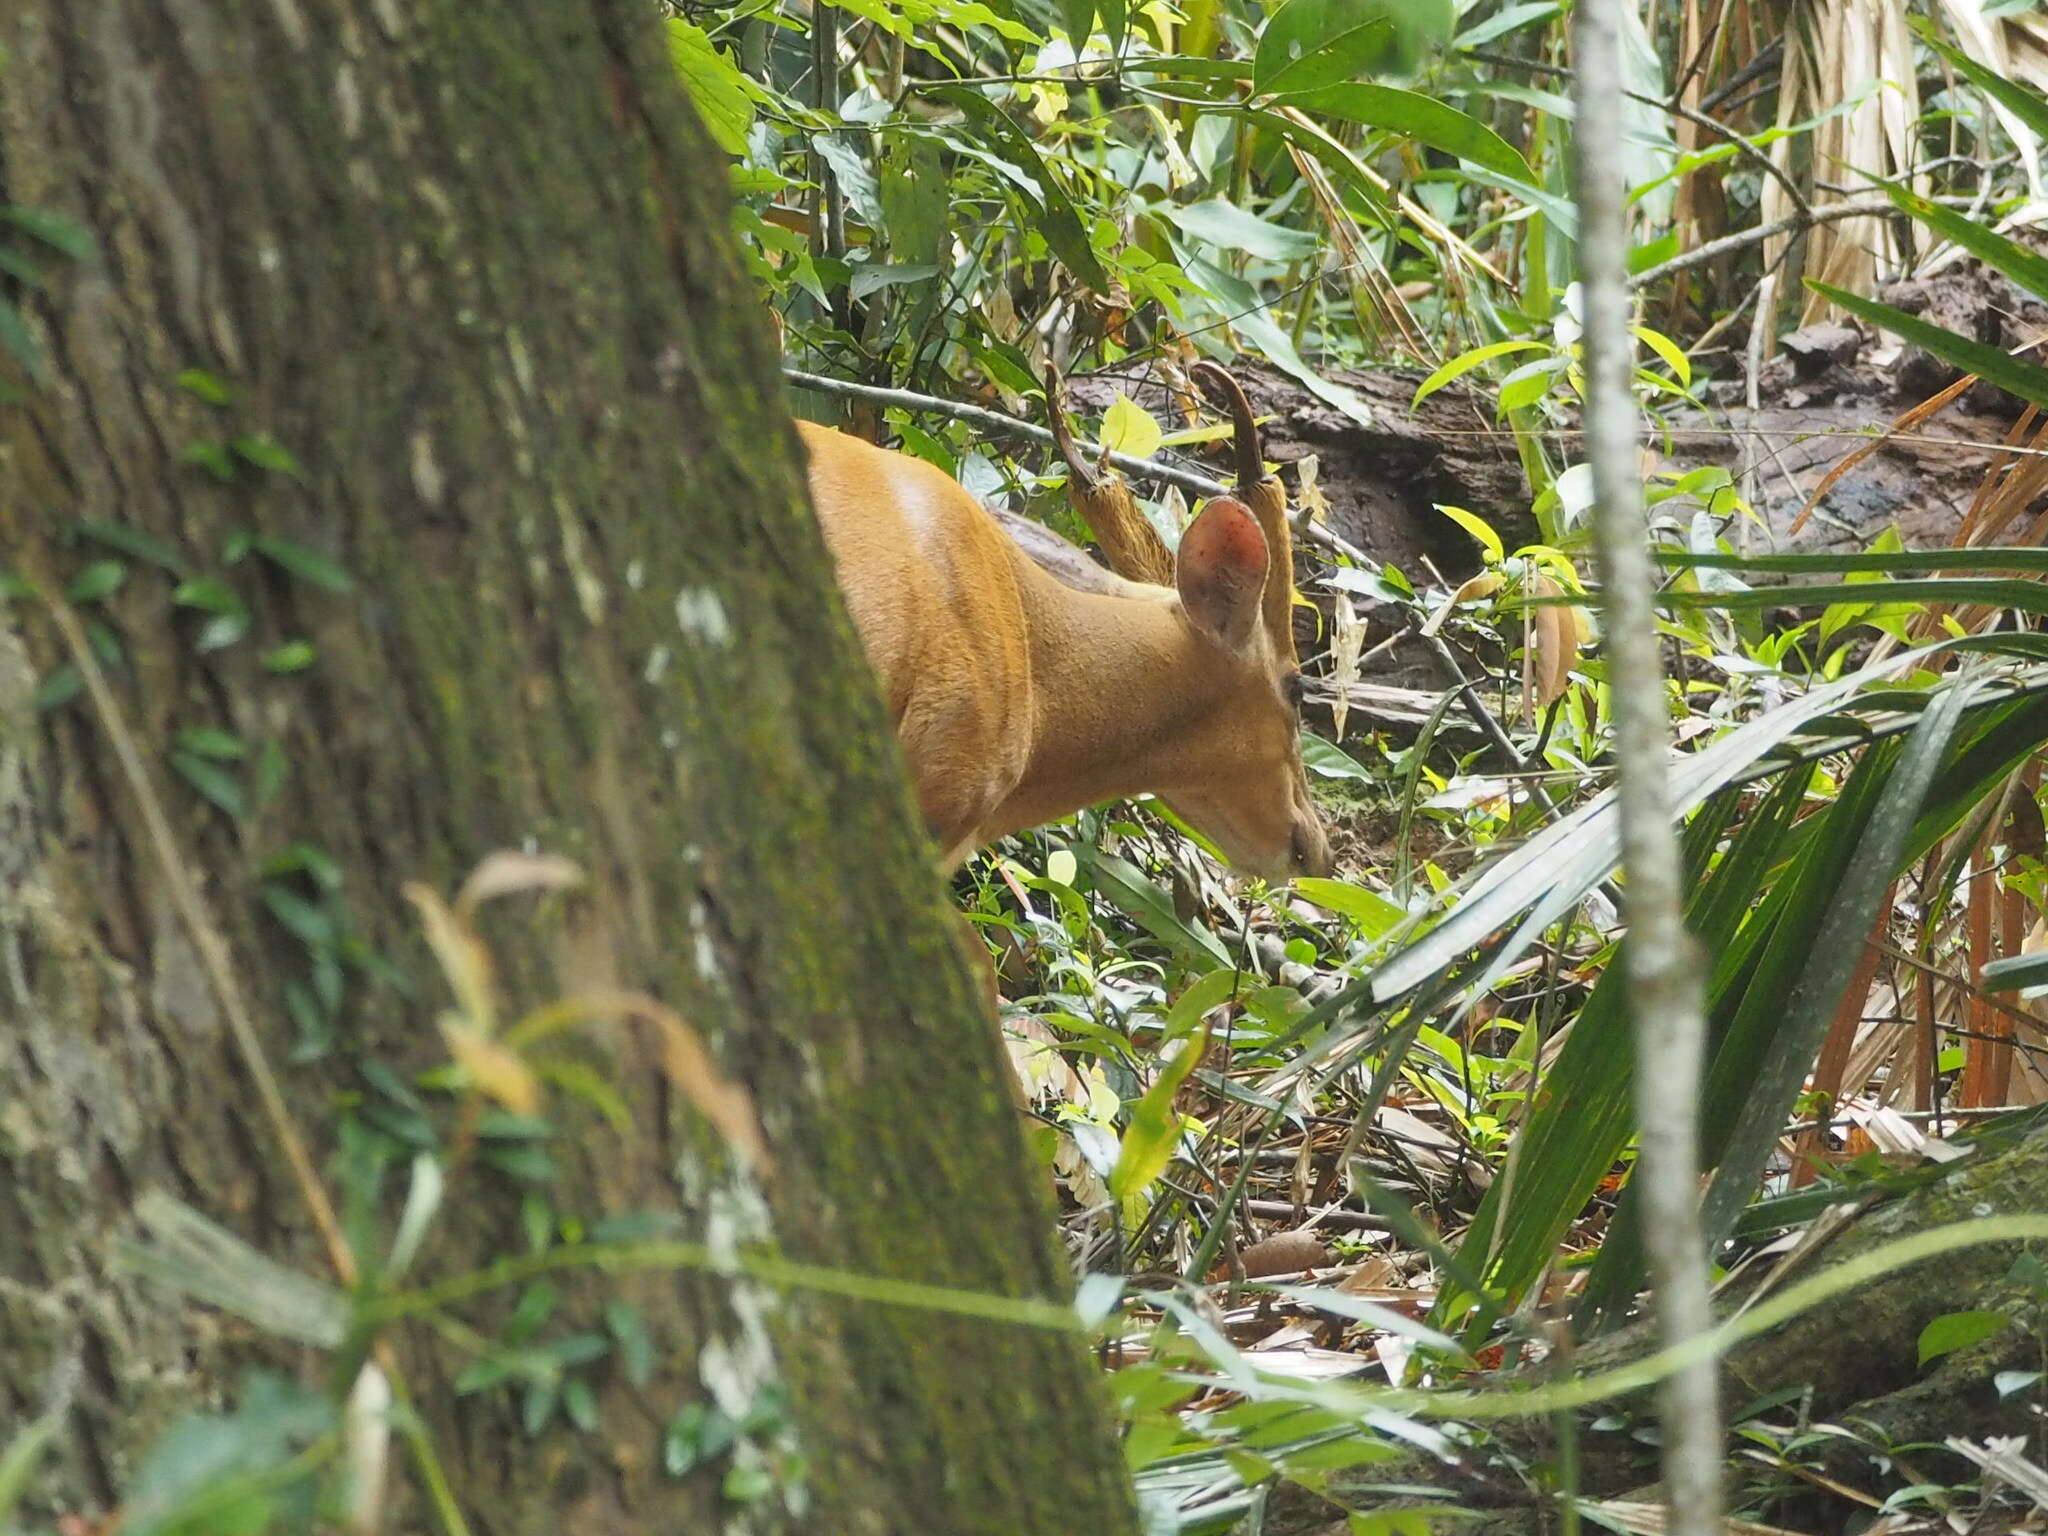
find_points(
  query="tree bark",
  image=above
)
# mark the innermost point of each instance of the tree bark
(466, 261)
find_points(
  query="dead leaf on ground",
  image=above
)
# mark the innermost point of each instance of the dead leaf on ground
(1284, 1253)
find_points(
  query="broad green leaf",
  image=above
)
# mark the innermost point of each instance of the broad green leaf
(1127, 427)
(1480, 529)
(1959, 1330)
(1327, 760)
(1672, 355)
(1999, 592)
(200, 383)
(266, 452)
(714, 85)
(207, 594)
(1413, 115)
(2016, 973)
(1372, 912)
(1508, 19)
(1221, 223)
(102, 578)
(1152, 908)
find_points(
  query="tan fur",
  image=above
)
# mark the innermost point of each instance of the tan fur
(1020, 699)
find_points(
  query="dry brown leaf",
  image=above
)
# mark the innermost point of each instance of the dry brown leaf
(686, 1062)
(1284, 1253)
(1377, 1273)
(1347, 645)
(494, 1071)
(508, 871)
(462, 956)
(1485, 584)
(1556, 636)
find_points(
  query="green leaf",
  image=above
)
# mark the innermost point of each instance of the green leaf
(20, 268)
(2000, 592)
(209, 594)
(1127, 427)
(636, 1346)
(15, 338)
(213, 782)
(267, 778)
(131, 540)
(312, 926)
(210, 741)
(1372, 912)
(2015, 973)
(1489, 541)
(580, 1403)
(102, 578)
(1463, 364)
(1151, 907)
(1987, 557)
(1959, 1330)
(1413, 115)
(1148, 1142)
(266, 452)
(2027, 380)
(308, 859)
(292, 656)
(303, 563)
(871, 277)
(198, 382)
(60, 685)
(1219, 222)
(1308, 43)
(2025, 104)
(23, 1453)
(1508, 19)
(714, 85)
(53, 229)
(2026, 268)
(214, 458)
(1327, 760)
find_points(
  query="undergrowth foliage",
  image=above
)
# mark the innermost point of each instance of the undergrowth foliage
(1371, 1127)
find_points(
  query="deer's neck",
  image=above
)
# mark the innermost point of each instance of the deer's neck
(1112, 682)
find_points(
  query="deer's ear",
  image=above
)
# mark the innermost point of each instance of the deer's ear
(1220, 572)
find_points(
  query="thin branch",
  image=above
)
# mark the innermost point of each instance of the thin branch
(1664, 987)
(1827, 213)
(996, 421)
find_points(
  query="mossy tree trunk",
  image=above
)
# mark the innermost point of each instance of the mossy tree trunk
(464, 262)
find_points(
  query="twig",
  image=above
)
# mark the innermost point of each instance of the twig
(211, 948)
(1664, 988)
(1742, 240)
(996, 421)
